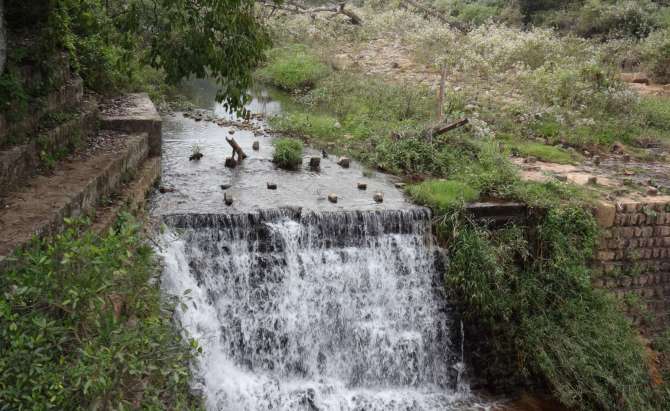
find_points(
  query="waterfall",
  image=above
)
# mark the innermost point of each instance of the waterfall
(305, 310)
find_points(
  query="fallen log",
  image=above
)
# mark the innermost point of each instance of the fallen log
(293, 7)
(443, 128)
(236, 149)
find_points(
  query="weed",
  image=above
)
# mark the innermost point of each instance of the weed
(442, 195)
(288, 153)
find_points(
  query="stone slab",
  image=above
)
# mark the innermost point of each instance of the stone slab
(134, 113)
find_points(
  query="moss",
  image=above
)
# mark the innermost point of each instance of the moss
(544, 152)
(288, 153)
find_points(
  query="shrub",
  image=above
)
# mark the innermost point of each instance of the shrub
(83, 326)
(442, 195)
(538, 317)
(656, 55)
(655, 112)
(288, 153)
(292, 68)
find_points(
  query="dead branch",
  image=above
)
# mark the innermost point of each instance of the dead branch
(293, 7)
(434, 13)
(443, 128)
(236, 149)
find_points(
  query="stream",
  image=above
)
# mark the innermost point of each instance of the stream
(299, 303)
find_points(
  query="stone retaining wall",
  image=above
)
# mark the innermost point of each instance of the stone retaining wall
(633, 258)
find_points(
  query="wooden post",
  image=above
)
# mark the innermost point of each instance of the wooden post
(440, 97)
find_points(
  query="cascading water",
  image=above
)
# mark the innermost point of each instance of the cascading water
(307, 310)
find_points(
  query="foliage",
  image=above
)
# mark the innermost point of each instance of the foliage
(117, 45)
(82, 325)
(656, 55)
(542, 152)
(542, 320)
(13, 97)
(293, 68)
(288, 153)
(442, 195)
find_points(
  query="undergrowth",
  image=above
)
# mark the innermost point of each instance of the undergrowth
(288, 153)
(528, 299)
(82, 326)
(292, 68)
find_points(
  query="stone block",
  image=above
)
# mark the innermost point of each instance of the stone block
(605, 214)
(138, 115)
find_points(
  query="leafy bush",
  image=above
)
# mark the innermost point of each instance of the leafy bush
(292, 68)
(83, 326)
(656, 55)
(541, 320)
(288, 153)
(442, 195)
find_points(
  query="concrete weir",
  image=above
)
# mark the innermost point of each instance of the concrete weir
(118, 163)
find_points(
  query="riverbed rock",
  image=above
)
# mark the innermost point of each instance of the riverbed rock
(315, 163)
(228, 199)
(256, 146)
(344, 162)
(378, 197)
(231, 132)
(225, 186)
(195, 157)
(362, 186)
(332, 197)
(652, 191)
(592, 180)
(230, 162)
(400, 185)
(596, 160)
(272, 186)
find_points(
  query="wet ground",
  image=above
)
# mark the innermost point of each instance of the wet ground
(194, 186)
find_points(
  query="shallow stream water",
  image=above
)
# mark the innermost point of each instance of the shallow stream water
(299, 303)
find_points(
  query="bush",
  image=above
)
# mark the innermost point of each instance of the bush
(292, 68)
(288, 153)
(656, 56)
(539, 320)
(83, 326)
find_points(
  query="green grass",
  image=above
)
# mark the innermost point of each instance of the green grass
(442, 195)
(292, 68)
(544, 152)
(83, 326)
(655, 112)
(288, 153)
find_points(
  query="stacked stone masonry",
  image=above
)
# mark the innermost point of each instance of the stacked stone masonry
(633, 259)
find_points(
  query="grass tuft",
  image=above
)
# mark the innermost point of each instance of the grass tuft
(442, 195)
(288, 153)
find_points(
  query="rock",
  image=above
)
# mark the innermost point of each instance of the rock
(617, 148)
(272, 186)
(332, 197)
(378, 197)
(362, 186)
(230, 162)
(225, 186)
(344, 162)
(228, 199)
(256, 145)
(400, 185)
(605, 214)
(315, 163)
(164, 190)
(530, 160)
(195, 156)
(395, 65)
(231, 132)
(324, 154)
(592, 180)
(626, 158)
(337, 125)
(652, 191)
(596, 160)
(641, 78)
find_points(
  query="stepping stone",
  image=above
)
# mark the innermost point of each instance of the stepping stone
(362, 186)
(225, 186)
(400, 185)
(230, 162)
(228, 199)
(231, 132)
(344, 162)
(315, 163)
(272, 186)
(378, 197)
(256, 145)
(332, 197)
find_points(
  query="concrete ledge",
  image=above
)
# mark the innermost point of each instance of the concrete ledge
(73, 191)
(134, 113)
(68, 96)
(132, 197)
(19, 163)
(498, 214)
